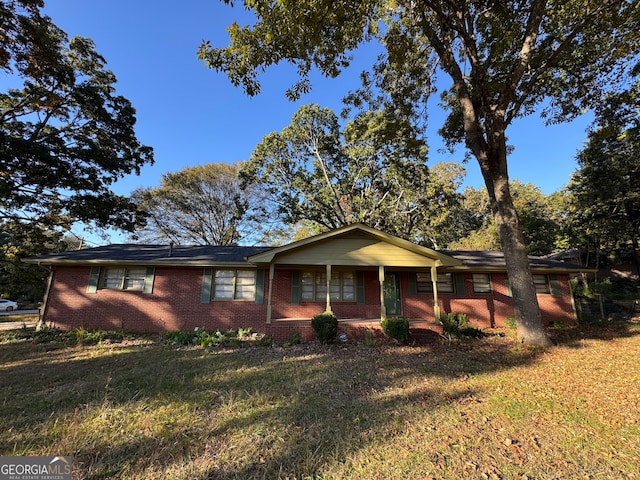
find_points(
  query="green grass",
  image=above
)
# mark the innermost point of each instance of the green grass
(142, 408)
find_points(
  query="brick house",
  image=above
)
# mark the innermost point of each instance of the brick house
(359, 273)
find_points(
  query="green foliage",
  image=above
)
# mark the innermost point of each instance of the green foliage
(453, 322)
(210, 339)
(180, 337)
(65, 136)
(78, 336)
(325, 326)
(605, 192)
(317, 172)
(471, 332)
(295, 338)
(542, 218)
(504, 59)
(396, 328)
(205, 338)
(456, 325)
(511, 323)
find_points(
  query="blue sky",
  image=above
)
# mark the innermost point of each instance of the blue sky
(191, 115)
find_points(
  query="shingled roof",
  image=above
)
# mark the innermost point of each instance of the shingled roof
(208, 255)
(152, 254)
(494, 260)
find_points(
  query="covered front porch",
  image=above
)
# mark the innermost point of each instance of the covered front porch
(359, 250)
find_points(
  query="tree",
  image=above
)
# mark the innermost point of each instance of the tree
(605, 193)
(314, 171)
(65, 137)
(204, 205)
(19, 281)
(504, 60)
(542, 228)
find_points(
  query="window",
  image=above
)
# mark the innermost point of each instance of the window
(541, 282)
(123, 278)
(482, 283)
(444, 281)
(234, 285)
(314, 286)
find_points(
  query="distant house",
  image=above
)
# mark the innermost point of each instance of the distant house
(359, 273)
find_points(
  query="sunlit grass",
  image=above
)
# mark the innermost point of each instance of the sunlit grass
(485, 409)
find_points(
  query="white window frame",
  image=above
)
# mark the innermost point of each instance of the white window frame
(130, 279)
(313, 286)
(482, 283)
(239, 285)
(445, 283)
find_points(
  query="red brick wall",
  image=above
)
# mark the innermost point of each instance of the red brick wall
(488, 310)
(283, 308)
(175, 304)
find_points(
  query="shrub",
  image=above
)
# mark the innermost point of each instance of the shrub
(452, 323)
(396, 328)
(325, 326)
(510, 322)
(471, 332)
(295, 338)
(179, 338)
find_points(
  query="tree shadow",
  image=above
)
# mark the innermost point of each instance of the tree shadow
(575, 337)
(248, 413)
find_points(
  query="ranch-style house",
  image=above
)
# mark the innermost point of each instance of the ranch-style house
(359, 273)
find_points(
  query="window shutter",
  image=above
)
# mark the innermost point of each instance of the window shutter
(259, 286)
(458, 279)
(413, 284)
(360, 288)
(555, 285)
(94, 278)
(148, 280)
(295, 287)
(207, 278)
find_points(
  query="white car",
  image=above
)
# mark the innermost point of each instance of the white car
(7, 305)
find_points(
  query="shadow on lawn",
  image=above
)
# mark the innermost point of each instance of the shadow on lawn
(140, 410)
(574, 337)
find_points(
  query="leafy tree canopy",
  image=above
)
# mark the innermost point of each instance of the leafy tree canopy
(605, 192)
(541, 216)
(204, 205)
(504, 60)
(315, 171)
(65, 136)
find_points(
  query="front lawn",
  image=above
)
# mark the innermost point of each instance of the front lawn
(142, 408)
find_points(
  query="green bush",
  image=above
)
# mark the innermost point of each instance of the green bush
(471, 332)
(452, 323)
(396, 328)
(457, 325)
(325, 326)
(295, 338)
(510, 322)
(179, 338)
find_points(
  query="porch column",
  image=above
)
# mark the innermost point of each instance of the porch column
(383, 309)
(328, 289)
(434, 282)
(271, 269)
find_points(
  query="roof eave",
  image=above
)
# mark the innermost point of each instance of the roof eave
(155, 263)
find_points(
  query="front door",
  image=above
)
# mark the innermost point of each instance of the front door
(391, 287)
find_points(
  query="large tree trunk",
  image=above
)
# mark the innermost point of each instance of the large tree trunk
(493, 164)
